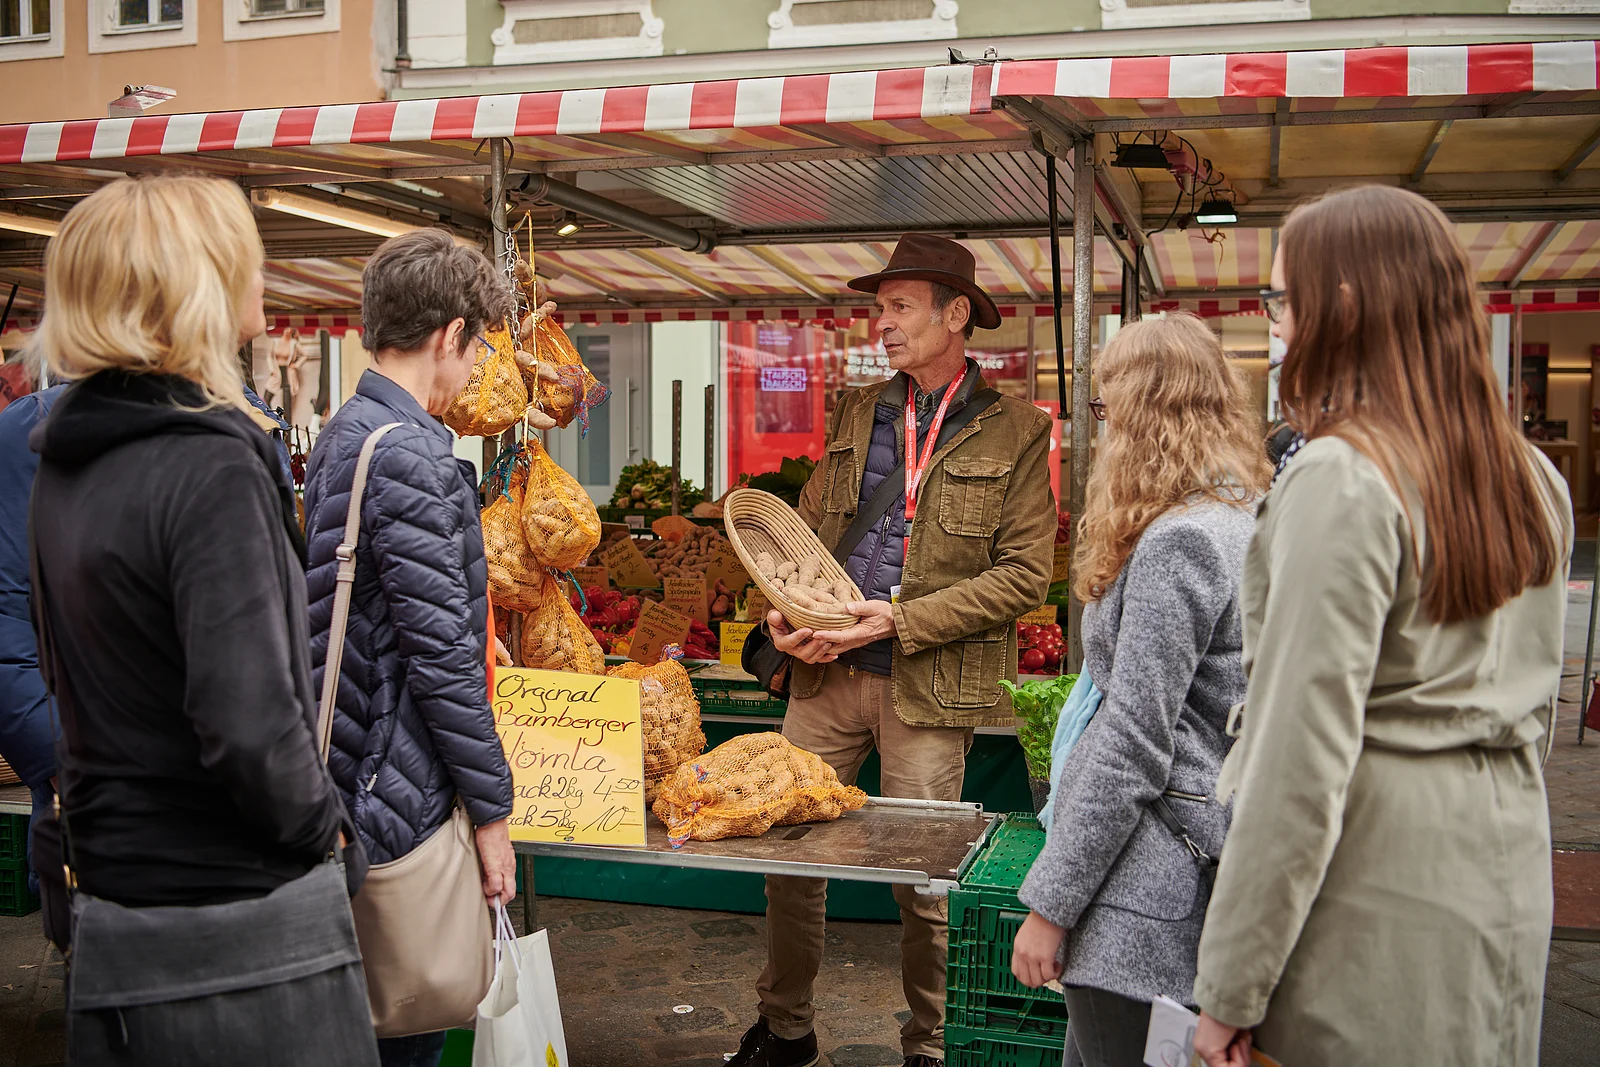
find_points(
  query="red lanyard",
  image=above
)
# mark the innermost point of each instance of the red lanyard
(915, 468)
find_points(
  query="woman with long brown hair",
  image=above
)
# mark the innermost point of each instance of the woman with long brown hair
(1385, 895)
(1117, 898)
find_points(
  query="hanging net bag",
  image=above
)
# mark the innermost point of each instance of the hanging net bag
(671, 715)
(558, 518)
(496, 395)
(746, 786)
(573, 390)
(514, 574)
(554, 637)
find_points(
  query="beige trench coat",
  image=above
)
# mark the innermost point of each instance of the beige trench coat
(1385, 895)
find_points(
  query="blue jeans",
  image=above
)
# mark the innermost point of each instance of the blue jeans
(418, 1050)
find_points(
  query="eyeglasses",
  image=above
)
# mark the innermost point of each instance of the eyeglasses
(1097, 408)
(1277, 302)
(485, 349)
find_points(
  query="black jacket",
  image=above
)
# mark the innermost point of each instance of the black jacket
(172, 572)
(413, 729)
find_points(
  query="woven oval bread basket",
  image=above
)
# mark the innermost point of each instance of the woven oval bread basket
(759, 522)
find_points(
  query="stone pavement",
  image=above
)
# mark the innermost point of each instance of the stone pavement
(625, 971)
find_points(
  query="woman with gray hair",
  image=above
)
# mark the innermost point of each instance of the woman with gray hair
(412, 730)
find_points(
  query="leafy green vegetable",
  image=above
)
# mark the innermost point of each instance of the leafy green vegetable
(1038, 704)
(785, 482)
(648, 485)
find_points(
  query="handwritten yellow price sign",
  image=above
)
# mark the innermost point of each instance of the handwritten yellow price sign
(1060, 564)
(733, 637)
(575, 745)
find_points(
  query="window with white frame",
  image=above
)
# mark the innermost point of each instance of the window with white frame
(31, 29)
(24, 20)
(148, 14)
(266, 9)
(138, 25)
(1141, 14)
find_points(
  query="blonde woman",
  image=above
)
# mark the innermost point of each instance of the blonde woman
(1117, 897)
(170, 601)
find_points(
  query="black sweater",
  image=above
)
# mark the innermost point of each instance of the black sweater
(173, 573)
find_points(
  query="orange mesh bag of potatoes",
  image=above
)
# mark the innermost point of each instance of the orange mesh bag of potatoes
(496, 395)
(514, 573)
(558, 518)
(671, 715)
(746, 786)
(574, 390)
(554, 637)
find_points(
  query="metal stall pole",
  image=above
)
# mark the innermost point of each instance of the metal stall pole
(1130, 287)
(1055, 280)
(1588, 653)
(711, 443)
(677, 445)
(500, 252)
(1082, 324)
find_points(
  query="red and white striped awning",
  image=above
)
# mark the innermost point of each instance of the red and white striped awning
(844, 98)
(865, 96)
(1433, 70)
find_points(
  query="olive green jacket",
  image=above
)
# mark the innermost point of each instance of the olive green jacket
(979, 557)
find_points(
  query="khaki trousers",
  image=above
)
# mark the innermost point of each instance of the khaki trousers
(851, 714)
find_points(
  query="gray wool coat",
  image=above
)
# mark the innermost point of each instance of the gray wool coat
(1164, 646)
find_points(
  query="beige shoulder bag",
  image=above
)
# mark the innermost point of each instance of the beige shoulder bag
(422, 920)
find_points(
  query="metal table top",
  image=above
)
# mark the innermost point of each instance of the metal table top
(15, 800)
(905, 842)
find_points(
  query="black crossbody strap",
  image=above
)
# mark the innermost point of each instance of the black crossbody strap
(893, 487)
(1203, 859)
(56, 699)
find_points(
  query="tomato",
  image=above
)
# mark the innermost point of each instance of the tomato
(1033, 660)
(1027, 634)
(1052, 658)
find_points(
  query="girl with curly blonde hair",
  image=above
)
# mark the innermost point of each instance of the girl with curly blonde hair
(1118, 896)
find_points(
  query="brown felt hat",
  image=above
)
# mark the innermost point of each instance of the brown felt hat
(924, 257)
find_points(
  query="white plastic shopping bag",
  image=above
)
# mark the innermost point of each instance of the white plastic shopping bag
(519, 1019)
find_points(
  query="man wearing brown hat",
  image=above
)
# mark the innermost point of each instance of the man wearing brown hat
(935, 495)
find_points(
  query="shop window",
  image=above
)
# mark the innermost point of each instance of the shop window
(543, 31)
(247, 20)
(1134, 14)
(129, 25)
(813, 23)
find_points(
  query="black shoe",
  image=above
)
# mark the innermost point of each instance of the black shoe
(920, 1060)
(760, 1047)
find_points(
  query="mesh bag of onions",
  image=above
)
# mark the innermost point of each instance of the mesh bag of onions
(671, 715)
(746, 786)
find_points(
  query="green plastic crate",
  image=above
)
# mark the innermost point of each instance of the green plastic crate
(735, 696)
(14, 896)
(988, 1048)
(985, 915)
(13, 841)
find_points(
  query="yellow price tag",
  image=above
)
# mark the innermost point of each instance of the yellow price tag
(733, 639)
(575, 745)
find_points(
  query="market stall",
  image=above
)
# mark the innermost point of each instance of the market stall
(1100, 187)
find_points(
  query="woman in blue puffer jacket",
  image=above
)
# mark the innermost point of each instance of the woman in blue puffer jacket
(412, 729)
